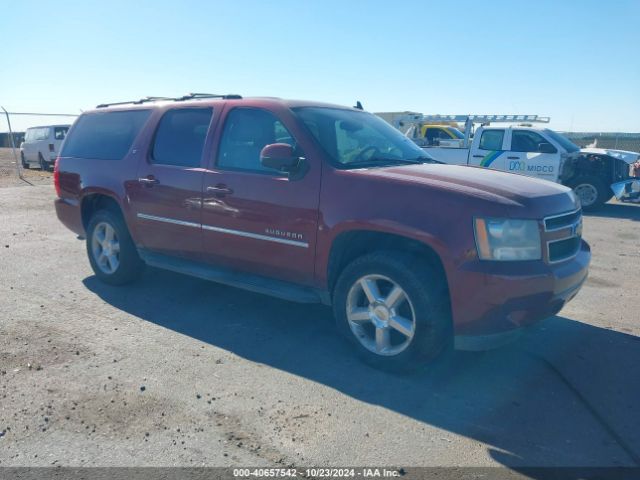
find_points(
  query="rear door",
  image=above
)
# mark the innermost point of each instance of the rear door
(488, 150)
(167, 197)
(526, 155)
(254, 218)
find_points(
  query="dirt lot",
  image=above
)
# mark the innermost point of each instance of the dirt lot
(177, 371)
(9, 177)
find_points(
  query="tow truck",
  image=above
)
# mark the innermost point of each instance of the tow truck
(595, 174)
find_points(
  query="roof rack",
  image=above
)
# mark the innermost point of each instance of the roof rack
(134, 102)
(189, 96)
(416, 118)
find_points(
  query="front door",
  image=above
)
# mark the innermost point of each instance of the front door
(531, 154)
(167, 197)
(254, 218)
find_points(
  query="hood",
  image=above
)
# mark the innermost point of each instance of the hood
(493, 186)
(624, 155)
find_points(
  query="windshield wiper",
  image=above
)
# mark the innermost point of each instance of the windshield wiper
(387, 162)
(383, 162)
(426, 160)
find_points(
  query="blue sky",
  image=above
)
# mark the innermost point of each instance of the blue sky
(576, 61)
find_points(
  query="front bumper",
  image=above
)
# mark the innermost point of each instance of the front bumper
(627, 189)
(495, 299)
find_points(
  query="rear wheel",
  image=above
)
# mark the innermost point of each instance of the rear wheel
(112, 253)
(395, 310)
(43, 164)
(592, 191)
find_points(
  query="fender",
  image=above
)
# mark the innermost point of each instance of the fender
(122, 203)
(329, 240)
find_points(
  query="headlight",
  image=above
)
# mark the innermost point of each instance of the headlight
(507, 239)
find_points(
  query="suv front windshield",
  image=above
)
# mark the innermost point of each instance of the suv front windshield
(355, 139)
(564, 142)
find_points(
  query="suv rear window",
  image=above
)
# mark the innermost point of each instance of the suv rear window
(104, 135)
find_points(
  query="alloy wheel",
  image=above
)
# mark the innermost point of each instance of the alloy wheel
(380, 315)
(105, 247)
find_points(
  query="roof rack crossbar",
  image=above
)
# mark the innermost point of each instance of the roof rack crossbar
(135, 102)
(190, 96)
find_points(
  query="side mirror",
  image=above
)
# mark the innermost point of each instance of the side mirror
(279, 156)
(546, 147)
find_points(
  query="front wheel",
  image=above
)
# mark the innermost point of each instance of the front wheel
(395, 310)
(592, 191)
(112, 253)
(24, 162)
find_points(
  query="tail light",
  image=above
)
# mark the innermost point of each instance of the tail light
(56, 176)
(51, 147)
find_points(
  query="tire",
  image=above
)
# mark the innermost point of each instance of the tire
(592, 191)
(43, 165)
(127, 265)
(25, 164)
(424, 301)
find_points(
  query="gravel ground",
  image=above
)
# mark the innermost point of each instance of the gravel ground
(177, 371)
(9, 176)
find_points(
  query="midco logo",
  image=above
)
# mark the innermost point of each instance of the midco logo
(521, 166)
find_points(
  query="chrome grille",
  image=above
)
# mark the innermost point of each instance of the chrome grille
(562, 236)
(564, 220)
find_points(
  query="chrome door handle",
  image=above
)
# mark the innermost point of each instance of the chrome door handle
(220, 190)
(149, 180)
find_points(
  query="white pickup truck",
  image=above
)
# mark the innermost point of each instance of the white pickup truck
(595, 174)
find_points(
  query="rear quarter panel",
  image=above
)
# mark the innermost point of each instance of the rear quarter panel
(82, 177)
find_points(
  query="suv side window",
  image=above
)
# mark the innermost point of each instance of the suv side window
(104, 135)
(526, 141)
(491, 140)
(180, 136)
(246, 132)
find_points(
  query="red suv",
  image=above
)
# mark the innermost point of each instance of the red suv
(320, 203)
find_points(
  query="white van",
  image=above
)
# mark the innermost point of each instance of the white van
(41, 145)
